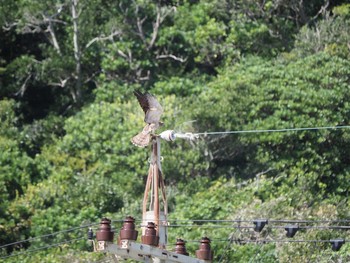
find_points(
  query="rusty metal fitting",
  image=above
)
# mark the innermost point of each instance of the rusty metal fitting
(180, 247)
(204, 251)
(104, 233)
(128, 229)
(150, 237)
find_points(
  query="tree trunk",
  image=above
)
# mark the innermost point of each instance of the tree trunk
(76, 93)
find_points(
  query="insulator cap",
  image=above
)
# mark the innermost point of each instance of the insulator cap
(128, 229)
(204, 251)
(104, 233)
(150, 237)
(180, 247)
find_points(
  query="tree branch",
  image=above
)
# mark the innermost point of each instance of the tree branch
(322, 11)
(36, 25)
(23, 88)
(103, 38)
(172, 57)
(51, 30)
(62, 83)
(9, 26)
(128, 56)
(156, 25)
(162, 13)
(139, 23)
(142, 78)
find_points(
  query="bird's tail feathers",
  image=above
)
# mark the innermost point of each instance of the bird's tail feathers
(143, 138)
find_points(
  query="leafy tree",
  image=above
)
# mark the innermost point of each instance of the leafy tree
(215, 66)
(55, 65)
(16, 170)
(330, 35)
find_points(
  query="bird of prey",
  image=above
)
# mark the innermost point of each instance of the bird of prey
(153, 110)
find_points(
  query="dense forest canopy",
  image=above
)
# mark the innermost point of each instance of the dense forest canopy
(68, 70)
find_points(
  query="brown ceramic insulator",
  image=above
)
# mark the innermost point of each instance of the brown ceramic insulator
(104, 233)
(150, 237)
(204, 251)
(180, 247)
(128, 229)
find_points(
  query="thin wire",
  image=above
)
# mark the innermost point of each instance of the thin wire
(247, 227)
(227, 246)
(244, 241)
(48, 235)
(276, 130)
(285, 241)
(270, 222)
(42, 248)
(309, 221)
(210, 226)
(253, 226)
(213, 220)
(301, 221)
(257, 252)
(225, 251)
(208, 220)
(318, 227)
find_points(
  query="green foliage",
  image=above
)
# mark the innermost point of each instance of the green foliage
(203, 33)
(294, 171)
(67, 114)
(330, 34)
(342, 10)
(181, 86)
(40, 133)
(16, 170)
(230, 200)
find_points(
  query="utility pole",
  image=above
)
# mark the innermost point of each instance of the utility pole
(154, 225)
(155, 209)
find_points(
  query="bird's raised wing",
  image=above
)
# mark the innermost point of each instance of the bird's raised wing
(149, 104)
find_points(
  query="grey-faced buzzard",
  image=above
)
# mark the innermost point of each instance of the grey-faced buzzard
(153, 111)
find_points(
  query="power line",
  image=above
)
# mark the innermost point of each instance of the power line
(211, 226)
(259, 241)
(319, 227)
(297, 221)
(308, 221)
(275, 130)
(243, 223)
(47, 235)
(54, 233)
(248, 227)
(230, 240)
(218, 221)
(43, 247)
